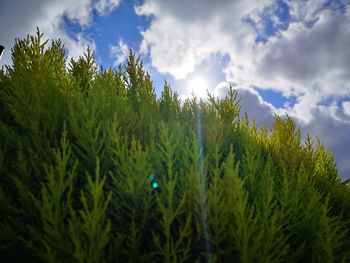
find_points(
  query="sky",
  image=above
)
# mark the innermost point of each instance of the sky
(283, 57)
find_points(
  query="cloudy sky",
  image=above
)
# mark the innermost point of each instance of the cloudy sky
(282, 56)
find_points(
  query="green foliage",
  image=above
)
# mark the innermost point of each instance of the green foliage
(80, 148)
(53, 206)
(83, 71)
(89, 227)
(169, 105)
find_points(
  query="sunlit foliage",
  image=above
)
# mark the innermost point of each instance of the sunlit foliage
(95, 168)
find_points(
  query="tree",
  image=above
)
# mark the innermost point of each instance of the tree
(81, 149)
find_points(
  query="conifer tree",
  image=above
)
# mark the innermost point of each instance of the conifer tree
(95, 168)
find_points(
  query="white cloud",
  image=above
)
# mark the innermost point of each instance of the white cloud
(346, 107)
(306, 11)
(182, 33)
(19, 18)
(310, 63)
(183, 48)
(106, 6)
(308, 56)
(119, 52)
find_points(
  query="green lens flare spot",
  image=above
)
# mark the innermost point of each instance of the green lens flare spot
(151, 177)
(155, 185)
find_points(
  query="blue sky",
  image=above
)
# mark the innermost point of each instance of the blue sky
(282, 56)
(121, 23)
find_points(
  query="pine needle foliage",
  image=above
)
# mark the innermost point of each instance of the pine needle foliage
(95, 168)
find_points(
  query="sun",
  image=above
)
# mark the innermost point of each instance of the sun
(198, 86)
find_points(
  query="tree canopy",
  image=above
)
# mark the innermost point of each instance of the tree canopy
(95, 168)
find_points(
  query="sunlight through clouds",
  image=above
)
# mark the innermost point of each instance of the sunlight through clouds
(198, 86)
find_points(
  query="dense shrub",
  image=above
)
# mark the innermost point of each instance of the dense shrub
(95, 168)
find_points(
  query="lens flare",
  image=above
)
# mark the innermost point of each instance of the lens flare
(151, 177)
(155, 185)
(203, 208)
